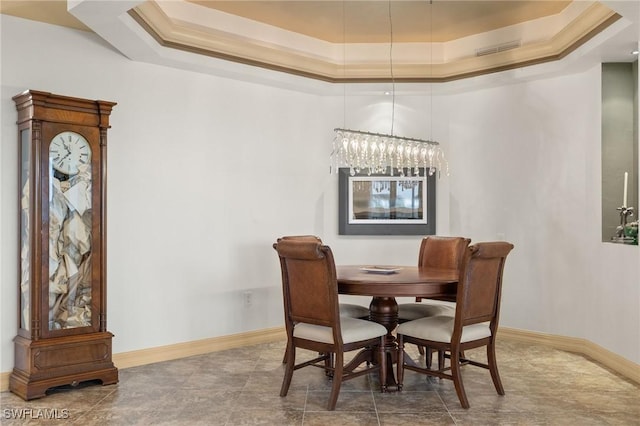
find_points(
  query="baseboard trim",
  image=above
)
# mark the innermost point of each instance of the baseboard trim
(605, 357)
(182, 350)
(197, 347)
(615, 362)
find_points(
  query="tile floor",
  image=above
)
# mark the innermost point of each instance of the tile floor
(240, 387)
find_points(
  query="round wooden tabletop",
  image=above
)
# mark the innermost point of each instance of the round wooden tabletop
(409, 281)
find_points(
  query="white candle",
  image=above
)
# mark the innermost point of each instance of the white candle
(624, 196)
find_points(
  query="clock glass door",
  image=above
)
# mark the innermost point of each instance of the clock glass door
(70, 231)
(25, 229)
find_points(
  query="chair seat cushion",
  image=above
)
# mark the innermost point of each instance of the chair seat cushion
(353, 311)
(353, 330)
(413, 311)
(440, 329)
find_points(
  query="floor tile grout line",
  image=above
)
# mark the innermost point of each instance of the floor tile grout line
(375, 406)
(304, 407)
(94, 405)
(446, 408)
(244, 387)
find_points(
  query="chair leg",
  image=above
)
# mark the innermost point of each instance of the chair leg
(290, 356)
(421, 350)
(337, 381)
(400, 374)
(457, 377)
(493, 367)
(428, 356)
(440, 360)
(328, 365)
(383, 366)
(284, 357)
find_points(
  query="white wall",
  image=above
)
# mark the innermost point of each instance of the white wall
(205, 173)
(526, 161)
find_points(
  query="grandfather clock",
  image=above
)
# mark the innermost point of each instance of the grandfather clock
(63, 337)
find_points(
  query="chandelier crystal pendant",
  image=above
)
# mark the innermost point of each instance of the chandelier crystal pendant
(375, 153)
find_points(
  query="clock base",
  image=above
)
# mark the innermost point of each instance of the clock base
(67, 360)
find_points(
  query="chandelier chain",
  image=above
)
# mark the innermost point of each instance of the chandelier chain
(393, 80)
(431, 69)
(344, 64)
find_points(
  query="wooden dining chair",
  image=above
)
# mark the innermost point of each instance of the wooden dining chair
(346, 309)
(475, 322)
(313, 321)
(438, 253)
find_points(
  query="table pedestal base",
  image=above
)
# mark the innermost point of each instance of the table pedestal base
(384, 310)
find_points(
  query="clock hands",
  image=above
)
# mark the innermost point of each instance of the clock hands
(68, 151)
(65, 145)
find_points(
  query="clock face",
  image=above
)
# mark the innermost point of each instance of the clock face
(68, 151)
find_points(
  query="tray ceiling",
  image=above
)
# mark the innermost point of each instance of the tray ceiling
(342, 41)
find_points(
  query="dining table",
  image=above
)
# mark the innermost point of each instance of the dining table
(383, 283)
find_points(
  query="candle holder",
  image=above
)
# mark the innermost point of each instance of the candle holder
(621, 237)
(631, 231)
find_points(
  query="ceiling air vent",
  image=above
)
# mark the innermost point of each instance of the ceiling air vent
(498, 48)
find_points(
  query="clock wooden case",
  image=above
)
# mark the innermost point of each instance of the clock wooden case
(62, 337)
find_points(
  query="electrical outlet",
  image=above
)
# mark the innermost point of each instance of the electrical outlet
(248, 298)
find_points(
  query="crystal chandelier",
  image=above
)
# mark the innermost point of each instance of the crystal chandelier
(366, 152)
(379, 154)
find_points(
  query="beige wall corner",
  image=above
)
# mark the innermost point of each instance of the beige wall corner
(611, 360)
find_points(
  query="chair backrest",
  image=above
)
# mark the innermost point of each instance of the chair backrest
(480, 284)
(442, 252)
(310, 287)
(302, 238)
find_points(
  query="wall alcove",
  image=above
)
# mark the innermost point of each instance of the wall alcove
(619, 150)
